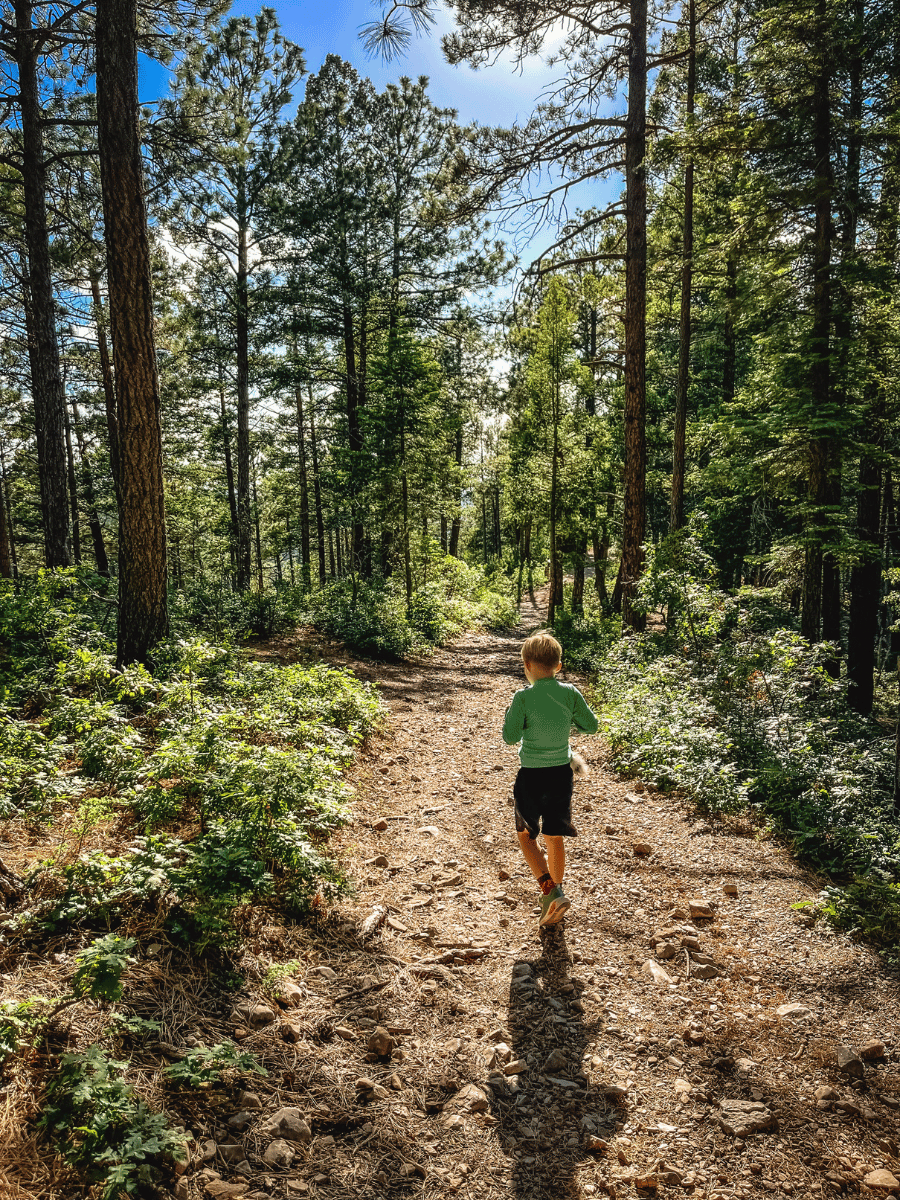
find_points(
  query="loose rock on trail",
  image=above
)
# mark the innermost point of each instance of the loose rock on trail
(684, 1031)
(670, 1036)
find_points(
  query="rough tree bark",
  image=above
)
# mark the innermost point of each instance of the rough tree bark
(865, 578)
(73, 490)
(47, 388)
(143, 612)
(820, 364)
(317, 494)
(676, 512)
(10, 531)
(5, 559)
(456, 523)
(109, 389)
(305, 546)
(635, 512)
(242, 338)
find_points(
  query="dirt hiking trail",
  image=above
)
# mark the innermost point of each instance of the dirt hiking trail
(579, 1061)
(672, 1036)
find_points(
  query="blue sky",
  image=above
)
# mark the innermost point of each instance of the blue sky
(496, 95)
(493, 96)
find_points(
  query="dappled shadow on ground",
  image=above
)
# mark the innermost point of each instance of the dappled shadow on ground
(545, 1113)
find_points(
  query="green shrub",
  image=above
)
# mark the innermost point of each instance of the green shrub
(207, 1064)
(100, 968)
(735, 713)
(586, 637)
(99, 1125)
(376, 617)
(219, 610)
(20, 1021)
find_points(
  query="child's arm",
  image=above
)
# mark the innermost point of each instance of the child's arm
(514, 722)
(582, 717)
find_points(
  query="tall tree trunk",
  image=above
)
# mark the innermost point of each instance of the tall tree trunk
(729, 334)
(90, 497)
(40, 310)
(843, 316)
(229, 470)
(290, 547)
(578, 583)
(444, 532)
(340, 555)
(305, 550)
(73, 490)
(456, 523)
(143, 612)
(865, 589)
(5, 558)
(259, 560)
(820, 364)
(599, 571)
(242, 338)
(317, 495)
(226, 450)
(865, 578)
(404, 493)
(676, 513)
(11, 533)
(635, 510)
(556, 573)
(109, 388)
(354, 432)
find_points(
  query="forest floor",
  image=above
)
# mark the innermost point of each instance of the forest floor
(529, 1064)
(436, 1043)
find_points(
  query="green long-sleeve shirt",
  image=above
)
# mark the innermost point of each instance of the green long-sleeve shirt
(542, 716)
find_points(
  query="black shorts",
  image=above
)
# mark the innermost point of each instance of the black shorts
(543, 797)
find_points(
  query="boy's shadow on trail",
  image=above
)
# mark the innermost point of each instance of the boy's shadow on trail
(545, 1113)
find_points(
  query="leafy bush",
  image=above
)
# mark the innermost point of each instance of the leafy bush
(207, 1064)
(375, 616)
(586, 637)
(99, 1125)
(101, 966)
(248, 753)
(20, 1021)
(219, 610)
(737, 713)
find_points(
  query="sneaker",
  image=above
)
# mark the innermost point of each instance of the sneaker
(553, 907)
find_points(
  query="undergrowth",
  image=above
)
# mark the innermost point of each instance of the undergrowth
(175, 797)
(372, 615)
(741, 714)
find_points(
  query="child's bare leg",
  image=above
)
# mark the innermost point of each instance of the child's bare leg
(556, 858)
(534, 855)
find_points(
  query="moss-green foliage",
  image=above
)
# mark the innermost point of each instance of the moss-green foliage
(231, 767)
(207, 1064)
(372, 615)
(587, 636)
(377, 618)
(737, 712)
(99, 1125)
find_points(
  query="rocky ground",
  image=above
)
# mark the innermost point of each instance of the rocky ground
(684, 1031)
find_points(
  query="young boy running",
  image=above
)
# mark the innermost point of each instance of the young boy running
(541, 717)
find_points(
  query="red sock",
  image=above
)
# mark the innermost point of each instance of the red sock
(546, 884)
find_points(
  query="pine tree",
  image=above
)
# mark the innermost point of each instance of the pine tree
(143, 612)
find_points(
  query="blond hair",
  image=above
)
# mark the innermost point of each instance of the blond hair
(542, 649)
